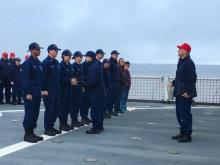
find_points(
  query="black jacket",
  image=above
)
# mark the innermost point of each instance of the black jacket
(122, 78)
(114, 70)
(5, 69)
(50, 75)
(16, 74)
(186, 77)
(94, 81)
(107, 77)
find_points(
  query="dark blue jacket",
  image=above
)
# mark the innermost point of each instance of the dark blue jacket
(107, 77)
(11, 62)
(78, 69)
(16, 72)
(5, 70)
(66, 74)
(31, 77)
(50, 75)
(114, 70)
(94, 81)
(185, 80)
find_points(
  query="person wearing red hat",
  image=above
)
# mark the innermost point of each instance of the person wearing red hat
(12, 57)
(5, 78)
(12, 64)
(184, 92)
(26, 57)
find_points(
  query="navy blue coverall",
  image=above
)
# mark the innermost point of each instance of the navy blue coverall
(16, 87)
(185, 82)
(66, 74)
(85, 105)
(31, 83)
(51, 84)
(115, 98)
(76, 91)
(96, 91)
(108, 89)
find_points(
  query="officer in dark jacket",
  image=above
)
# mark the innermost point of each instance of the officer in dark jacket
(114, 70)
(184, 91)
(16, 82)
(51, 90)
(31, 83)
(108, 88)
(66, 82)
(94, 83)
(77, 90)
(85, 105)
(5, 79)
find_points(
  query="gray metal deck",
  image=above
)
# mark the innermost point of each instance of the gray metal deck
(139, 137)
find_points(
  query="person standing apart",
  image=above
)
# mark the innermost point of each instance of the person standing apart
(184, 92)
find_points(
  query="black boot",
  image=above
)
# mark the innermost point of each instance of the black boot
(185, 139)
(76, 123)
(107, 116)
(177, 137)
(64, 126)
(50, 132)
(29, 137)
(39, 138)
(56, 131)
(93, 131)
(86, 121)
(101, 129)
(115, 113)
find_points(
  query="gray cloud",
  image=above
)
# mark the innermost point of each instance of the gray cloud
(144, 31)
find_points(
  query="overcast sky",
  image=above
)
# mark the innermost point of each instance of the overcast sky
(144, 31)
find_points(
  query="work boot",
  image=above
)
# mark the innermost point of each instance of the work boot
(29, 137)
(76, 123)
(56, 131)
(176, 137)
(86, 121)
(107, 116)
(185, 139)
(115, 113)
(64, 127)
(93, 131)
(50, 132)
(101, 129)
(39, 138)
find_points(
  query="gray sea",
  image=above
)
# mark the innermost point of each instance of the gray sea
(203, 71)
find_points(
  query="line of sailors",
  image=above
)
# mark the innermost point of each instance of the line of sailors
(10, 79)
(72, 89)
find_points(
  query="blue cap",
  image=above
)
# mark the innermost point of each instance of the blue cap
(53, 47)
(67, 53)
(115, 52)
(34, 46)
(77, 54)
(18, 59)
(100, 51)
(91, 54)
(105, 61)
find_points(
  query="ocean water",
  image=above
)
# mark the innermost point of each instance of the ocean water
(203, 71)
(153, 88)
